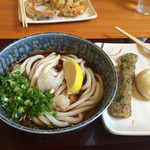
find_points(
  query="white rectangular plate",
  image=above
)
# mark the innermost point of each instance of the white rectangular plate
(139, 122)
(89, 14)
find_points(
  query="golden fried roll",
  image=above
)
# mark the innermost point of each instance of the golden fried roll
(121, 105)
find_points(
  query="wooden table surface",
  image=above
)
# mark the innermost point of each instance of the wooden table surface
(110, 13)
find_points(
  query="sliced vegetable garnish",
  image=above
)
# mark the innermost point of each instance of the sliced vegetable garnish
(21, 100)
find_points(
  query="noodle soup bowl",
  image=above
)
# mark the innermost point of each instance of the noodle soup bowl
(61, 42)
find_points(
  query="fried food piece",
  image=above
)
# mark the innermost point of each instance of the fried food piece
(70, 8)
(121, 105)
(30, 6)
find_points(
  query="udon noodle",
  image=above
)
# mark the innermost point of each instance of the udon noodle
(47, 74)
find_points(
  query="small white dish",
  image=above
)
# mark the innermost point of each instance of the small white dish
(138, 123)
(89, 14)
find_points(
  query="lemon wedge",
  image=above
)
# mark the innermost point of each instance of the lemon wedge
(73, 75)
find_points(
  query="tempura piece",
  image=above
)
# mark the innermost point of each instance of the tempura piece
(121, 105)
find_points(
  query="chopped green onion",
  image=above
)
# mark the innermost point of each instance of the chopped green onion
(20, 99)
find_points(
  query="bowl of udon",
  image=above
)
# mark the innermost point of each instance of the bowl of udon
(35, 94)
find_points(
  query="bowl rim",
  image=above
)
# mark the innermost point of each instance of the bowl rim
(69, 128)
